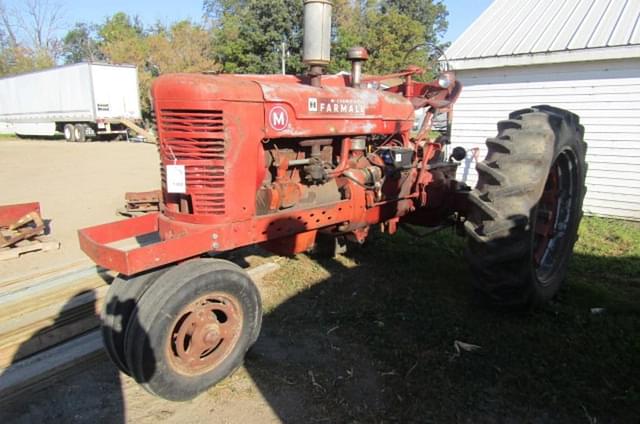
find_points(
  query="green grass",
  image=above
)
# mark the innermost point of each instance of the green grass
(8, 136)
(398, 305)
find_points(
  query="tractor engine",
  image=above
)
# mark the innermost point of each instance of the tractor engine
(236, 148)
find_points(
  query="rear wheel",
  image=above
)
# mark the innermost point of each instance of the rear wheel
(80, 132)
(69, 132)
(192, 328)
(527, 206)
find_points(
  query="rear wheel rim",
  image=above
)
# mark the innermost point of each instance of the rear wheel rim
(204, 334)
(553, 225)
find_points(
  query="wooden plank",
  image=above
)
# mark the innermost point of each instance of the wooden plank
(49, 312)
(46, 339)
(45, 274)
(28, 296)
(45, 328)
(26, 375)
(33, 287)
(23, 305)
(38, 246)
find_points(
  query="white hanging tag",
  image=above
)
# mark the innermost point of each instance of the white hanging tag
(176, 179)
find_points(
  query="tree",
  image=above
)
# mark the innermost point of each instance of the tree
(432, 15)
(184, 47)
(121, 39)
(38, 22)
(30, 36)
(80, 44)
(390, 30)
(7, 29)
(390, 38)
(249, 34)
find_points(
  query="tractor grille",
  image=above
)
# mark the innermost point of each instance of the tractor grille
(195, 138)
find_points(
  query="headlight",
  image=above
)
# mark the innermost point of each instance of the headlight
(445, 79)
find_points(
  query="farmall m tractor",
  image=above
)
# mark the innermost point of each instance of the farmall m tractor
(283, 161)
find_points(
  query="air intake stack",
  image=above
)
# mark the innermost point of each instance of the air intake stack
(317, 37)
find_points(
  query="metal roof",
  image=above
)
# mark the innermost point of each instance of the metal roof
(520, 32)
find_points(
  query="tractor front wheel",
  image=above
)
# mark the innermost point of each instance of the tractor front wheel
(119, 303)
(527, 206)
(192, 328)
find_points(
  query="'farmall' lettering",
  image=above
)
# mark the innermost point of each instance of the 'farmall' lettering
(339, 106)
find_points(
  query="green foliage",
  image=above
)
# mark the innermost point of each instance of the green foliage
(432, 16)
(120, 27)
(392, 31)
(249, 34)
(80, 44)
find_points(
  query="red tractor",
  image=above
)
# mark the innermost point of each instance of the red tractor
(283, 161)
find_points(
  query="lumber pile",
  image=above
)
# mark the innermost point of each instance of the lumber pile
(49, 325)
(39, 312)
(38, 371)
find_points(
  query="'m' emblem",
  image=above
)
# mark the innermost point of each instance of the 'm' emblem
(278, 118)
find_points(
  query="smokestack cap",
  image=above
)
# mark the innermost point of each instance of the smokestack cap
(357, 53)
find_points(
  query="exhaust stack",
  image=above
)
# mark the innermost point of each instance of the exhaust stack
(317, 37)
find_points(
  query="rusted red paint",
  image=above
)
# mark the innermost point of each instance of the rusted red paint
(204, 333)
(217, 127)
(9, 214)
(546, 214)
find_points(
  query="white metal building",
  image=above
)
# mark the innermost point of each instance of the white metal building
(581, 55)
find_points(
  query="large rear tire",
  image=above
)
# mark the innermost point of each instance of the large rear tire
(527, 206)
(192, 328)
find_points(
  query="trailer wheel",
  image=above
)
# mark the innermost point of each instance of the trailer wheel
(80, 132)
(69, 132)
(118, 305)
(192, 328)
(527, 206)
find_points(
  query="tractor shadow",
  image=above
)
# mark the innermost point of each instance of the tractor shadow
(371, 336)
(88, 390)
(377, 339)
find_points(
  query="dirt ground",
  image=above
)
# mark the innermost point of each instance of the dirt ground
(77, 185)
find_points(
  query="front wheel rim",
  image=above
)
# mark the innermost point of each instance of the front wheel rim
(204, 334)
(553, 223)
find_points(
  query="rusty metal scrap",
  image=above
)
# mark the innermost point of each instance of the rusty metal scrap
(20, 222)
(137, 203)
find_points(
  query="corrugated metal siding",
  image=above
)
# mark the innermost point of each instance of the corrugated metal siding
(606, 95)
(517, 27)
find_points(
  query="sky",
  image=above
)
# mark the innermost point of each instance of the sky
(461, 12)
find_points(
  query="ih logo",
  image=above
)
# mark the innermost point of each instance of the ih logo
(313, 104)
(278, 118)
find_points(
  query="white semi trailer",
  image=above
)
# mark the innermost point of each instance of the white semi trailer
(81, 101)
